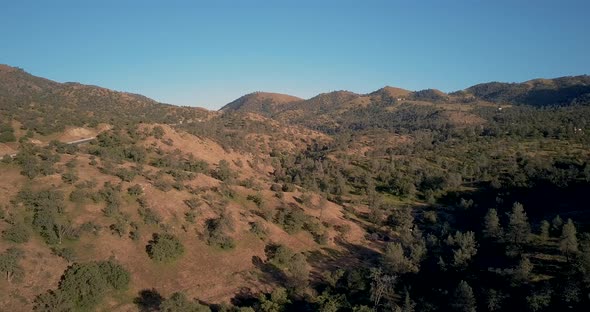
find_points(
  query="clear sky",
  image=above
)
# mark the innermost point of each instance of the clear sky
(208, 53)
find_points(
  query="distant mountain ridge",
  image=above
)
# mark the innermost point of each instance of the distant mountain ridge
(538, 92)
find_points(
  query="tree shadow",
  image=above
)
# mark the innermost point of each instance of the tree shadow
(270, 273)
(148, 300)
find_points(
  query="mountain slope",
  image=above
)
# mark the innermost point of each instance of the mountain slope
(47, 106)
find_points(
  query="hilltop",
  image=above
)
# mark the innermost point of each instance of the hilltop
(264, 103)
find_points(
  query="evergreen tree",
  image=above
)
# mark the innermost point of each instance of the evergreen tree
(492, 227)
(518, 226)
(569, 242)
(523, 271)
(463, 298)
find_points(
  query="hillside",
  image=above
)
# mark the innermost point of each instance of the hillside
(392, 200)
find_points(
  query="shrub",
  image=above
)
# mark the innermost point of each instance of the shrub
(149, 216)
(17, 233)
(69, 177)
(135, 190)
(215, 232)
(257, 199)
(164, 247)
(258, 229)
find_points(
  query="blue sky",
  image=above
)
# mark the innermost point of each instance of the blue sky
(207, 53)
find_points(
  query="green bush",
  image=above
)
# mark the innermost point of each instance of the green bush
(164, 247)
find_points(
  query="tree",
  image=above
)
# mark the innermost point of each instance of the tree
(382, 287)
(569, 242)
(518, 226)
(466, 248)
(492, 227)
(396, 261)
(522, 272)
(83, 286)
(494, 300)
(409, 305)
(463, 298)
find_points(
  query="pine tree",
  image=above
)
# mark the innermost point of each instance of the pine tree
(518, 226)
(523, 271)
(492, 227)
(463, 299)
(569, 242)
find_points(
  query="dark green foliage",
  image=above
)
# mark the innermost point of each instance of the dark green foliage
(164, 247)
(83, 286)
(465, 248)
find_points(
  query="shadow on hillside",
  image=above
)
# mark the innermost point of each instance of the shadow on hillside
(348, 256)
(541, 201)
(148, 300)
(270, 273)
